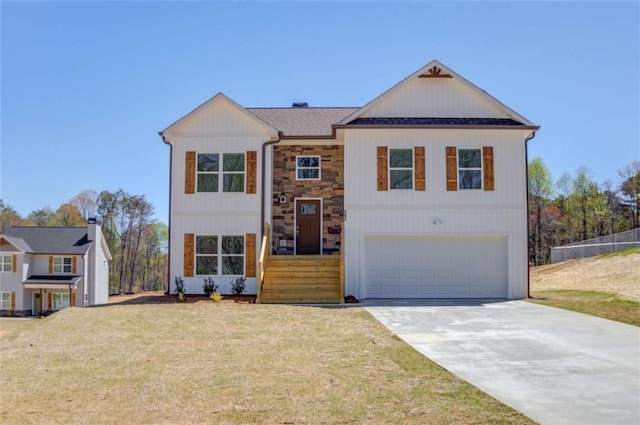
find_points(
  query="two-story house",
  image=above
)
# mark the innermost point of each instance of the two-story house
(422, 193)
(50, 268)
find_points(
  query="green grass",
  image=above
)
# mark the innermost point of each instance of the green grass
(622, 253)
(601, 304)
(228, 364)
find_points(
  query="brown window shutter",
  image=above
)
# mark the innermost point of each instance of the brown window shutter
(74, 265)
(73, 299)
(188, 254)
(13, 300)
(250, 255)
(190, 172)
(252, 172)
(50, 300)
(14, 263)
(487, 165)
(419, 166)
(50, 264)
(452, 168)
(383, 169)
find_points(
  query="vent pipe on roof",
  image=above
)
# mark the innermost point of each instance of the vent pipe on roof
(300, 105)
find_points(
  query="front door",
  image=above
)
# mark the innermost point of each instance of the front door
(308, 235)
(37, 304)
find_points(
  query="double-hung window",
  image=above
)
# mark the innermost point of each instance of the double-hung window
(232, 255)
(469, 168)
(308, 167)
(206, 255)
(61, 300)
(208, 172)
(6, 264)
(210, 166)
(211, 251)
(400, 168)
(62, 265)
(5, 300)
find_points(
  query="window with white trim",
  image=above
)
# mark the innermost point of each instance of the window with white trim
(219, 255)
(220, 172)
(5, 300)
(469, 168)
(61, 300)
(62, 264)
(206, 255)
(232, 255)
(6, 264)
(400, 168)
(308, 167)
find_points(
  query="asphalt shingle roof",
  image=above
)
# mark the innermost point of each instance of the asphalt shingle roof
(49, 240)
(302, 121)
(435, 121)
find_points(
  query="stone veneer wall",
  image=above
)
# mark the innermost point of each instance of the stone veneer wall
(330, 188)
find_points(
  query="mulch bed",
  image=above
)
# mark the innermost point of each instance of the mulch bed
(159, 297)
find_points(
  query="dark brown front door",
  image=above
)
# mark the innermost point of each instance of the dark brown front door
(308, 227)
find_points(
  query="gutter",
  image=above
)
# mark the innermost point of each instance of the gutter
(526, 167)
(263, 177)
(164, 139)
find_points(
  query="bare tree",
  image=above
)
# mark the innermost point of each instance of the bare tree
(86, 203)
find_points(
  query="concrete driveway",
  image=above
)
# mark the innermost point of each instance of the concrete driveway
(553, 365)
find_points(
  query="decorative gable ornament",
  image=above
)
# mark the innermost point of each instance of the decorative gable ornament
(434, 72)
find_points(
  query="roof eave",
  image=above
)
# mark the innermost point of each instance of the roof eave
(438, 126)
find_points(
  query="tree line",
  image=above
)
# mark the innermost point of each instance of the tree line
(576, 208)
(137, 242)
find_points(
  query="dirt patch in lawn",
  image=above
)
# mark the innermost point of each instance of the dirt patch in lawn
(616, 274)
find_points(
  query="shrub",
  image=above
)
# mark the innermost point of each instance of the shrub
(215, 297)
(179, 285)
(180, 288)
(209, 286)
(238, 286)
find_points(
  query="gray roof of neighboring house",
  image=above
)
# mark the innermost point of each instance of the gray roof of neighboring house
(302, 121)
(435, 121)
(49, 240)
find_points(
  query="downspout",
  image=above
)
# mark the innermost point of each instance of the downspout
(526, 167)
(169, 220)
(85, 289)
(263, 177)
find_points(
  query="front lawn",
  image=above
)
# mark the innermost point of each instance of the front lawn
(601, 304)
(228, 363)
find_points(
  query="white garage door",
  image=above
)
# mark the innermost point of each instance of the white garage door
(432, 267)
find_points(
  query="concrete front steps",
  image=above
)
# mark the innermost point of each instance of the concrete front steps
(292, 279)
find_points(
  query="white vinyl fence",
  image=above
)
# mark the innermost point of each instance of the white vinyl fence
(596, 246)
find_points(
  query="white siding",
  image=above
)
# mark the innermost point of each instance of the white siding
(223, 128)
(434, 97)
(435, 212)
(97, 270)
(227, 225)
(10, 281)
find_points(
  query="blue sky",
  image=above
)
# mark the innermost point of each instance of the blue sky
(86, 86)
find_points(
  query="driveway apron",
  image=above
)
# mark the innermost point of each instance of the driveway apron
(554, 366)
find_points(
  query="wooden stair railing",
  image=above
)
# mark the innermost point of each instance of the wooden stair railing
(265, 251)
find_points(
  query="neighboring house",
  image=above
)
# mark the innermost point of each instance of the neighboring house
(50, 268)
(422, 192)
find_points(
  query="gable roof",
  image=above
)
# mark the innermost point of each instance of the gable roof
(302, 121)
(220, 97)
(49, 240)
(436, 69)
